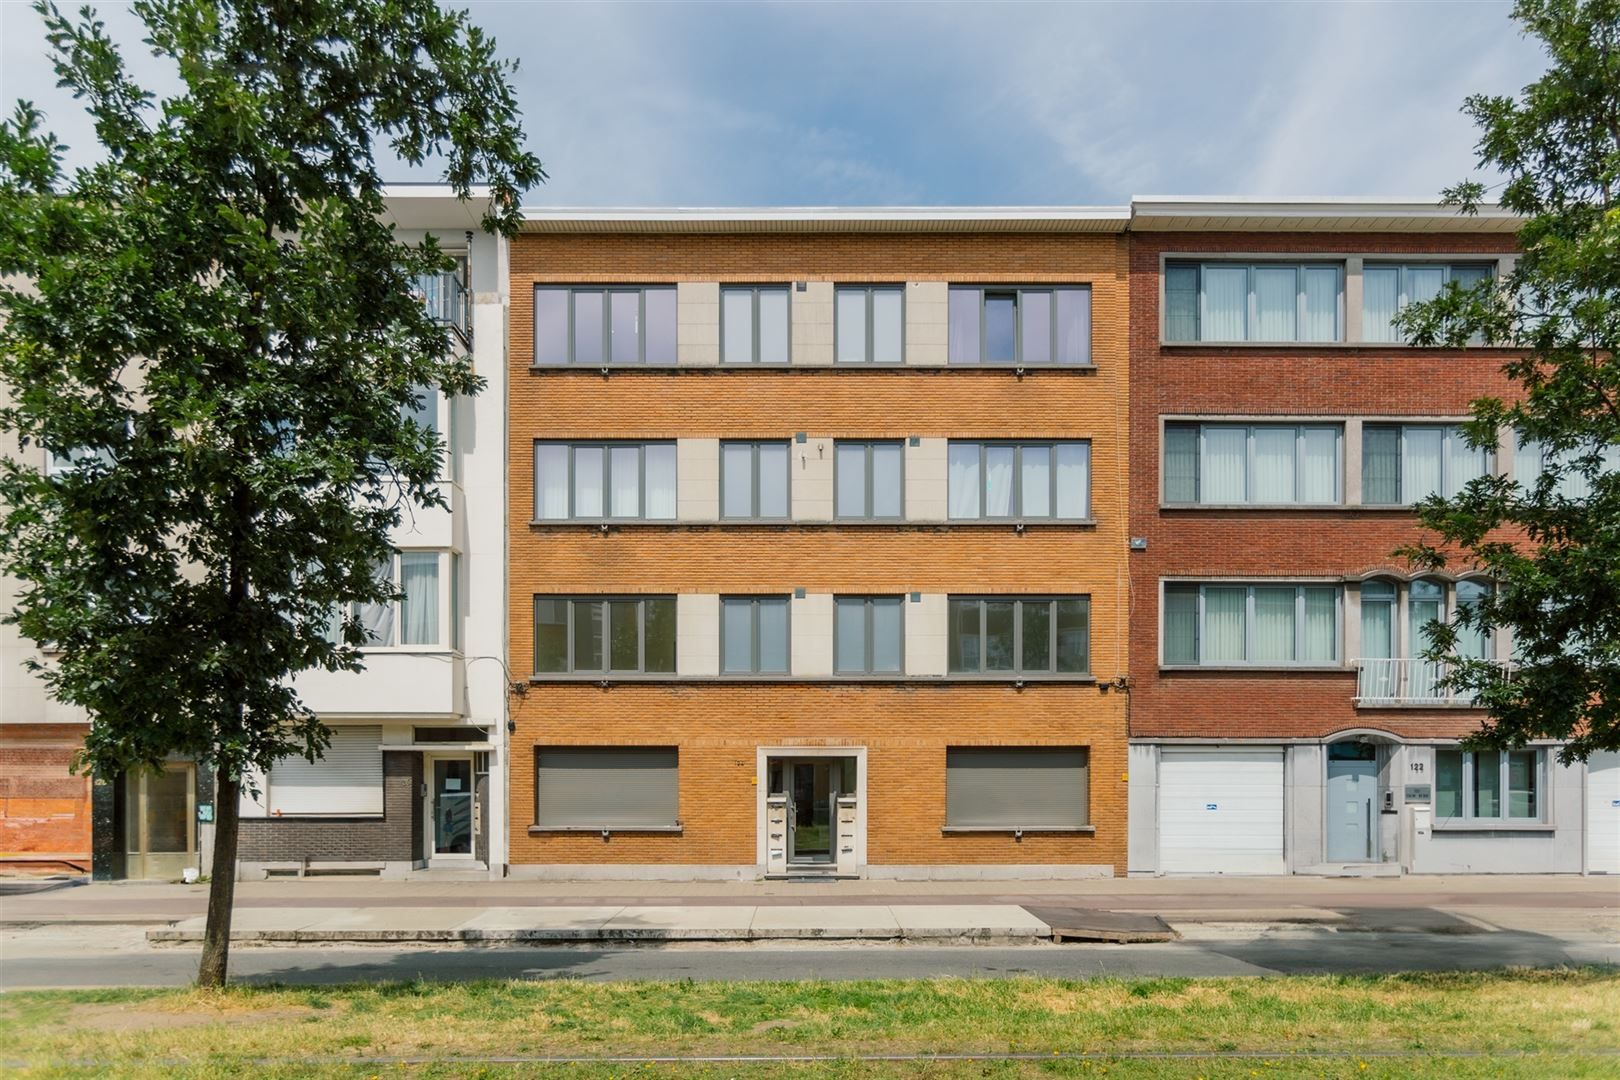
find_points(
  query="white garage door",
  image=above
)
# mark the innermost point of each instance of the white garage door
(1221, 810)
(1603, 813)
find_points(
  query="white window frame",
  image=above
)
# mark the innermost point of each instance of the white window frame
(447, 596)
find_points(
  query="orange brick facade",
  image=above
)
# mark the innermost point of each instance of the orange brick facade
(905, 727)
(44, 808)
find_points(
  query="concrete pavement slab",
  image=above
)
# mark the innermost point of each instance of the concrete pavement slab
(845, 922)
(538, 923)
(393, 921)
(967, 921)
(695, 923)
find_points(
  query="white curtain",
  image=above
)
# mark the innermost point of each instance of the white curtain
(1380, 296)
(851, 315)
(1036, 481)
(378, 619)
(1321, 625)
(1377, 621)
(1224, 611)
(588, 481)
(998, 475)
(1073, 480)
(888, 327)
(1225, 303)
(1467, 462)
(1223, 466)
(1276, 303)
(1424, 283)
(419, 610)
(1471, 641)
(1319, 465)
(1421, 462)
(1274, 453)
(964, 331)
(625, 469)
(660, 482)
(1273, 625)
(551, 481)
(1180, 624)
(1321, 304)
(963, 469)
(1073, 326)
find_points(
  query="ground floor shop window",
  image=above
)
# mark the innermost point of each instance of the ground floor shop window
(614, 787)
(1016, 787)
(1490, 785)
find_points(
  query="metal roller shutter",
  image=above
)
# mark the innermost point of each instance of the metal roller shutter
(1221, 810)
(606, 787)
(1016, 787)
(347, 781)
(1603, 813)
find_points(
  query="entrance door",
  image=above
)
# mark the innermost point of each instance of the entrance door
(1603, 813)
(160, 822)
(1352, 802)
(812, 795)
(452, 806)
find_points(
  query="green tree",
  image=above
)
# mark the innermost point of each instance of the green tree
(216, 321)
(1551, 543)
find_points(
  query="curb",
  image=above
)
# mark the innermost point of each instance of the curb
(572, 935)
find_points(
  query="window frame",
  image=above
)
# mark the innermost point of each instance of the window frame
(1250, 313)
(755, 660)
(1403, 294)
(607, 671)
(868, 357)
(869, 487)
(1300, 426)
(1466, 792)
(1017, 671)
(447, 640)
(1019, 292)
(607, 324)
(1249, 625)
(1086, 825)
(1450, 430)
(754, 291)
(869, 601)
(673, 825)
(1399, 598)
(754, 479)
(607, 446)
(1018, 515)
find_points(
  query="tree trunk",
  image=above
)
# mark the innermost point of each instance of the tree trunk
(221, 884)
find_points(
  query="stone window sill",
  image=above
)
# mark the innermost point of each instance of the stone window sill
(1017, 830)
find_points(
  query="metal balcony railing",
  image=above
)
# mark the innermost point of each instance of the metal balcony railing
(1402, 681)
(447, 300)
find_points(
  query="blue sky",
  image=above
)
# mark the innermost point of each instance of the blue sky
(923, 104)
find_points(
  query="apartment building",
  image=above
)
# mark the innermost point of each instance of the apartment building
(1282, 719)
(818, 540)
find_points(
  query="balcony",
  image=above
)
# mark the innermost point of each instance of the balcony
(1401, 683)
(447, 301)
(398, 682)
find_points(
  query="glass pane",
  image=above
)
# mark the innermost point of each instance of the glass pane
(625, 468)
(963, 486)
(1380, 465)
(1073, 480)
(1273, 625)
(737, 635)
(658, 639)
(1074, 636)
(1448, 784)
(1275, 449)
(1036, 481)
(964, 329)
(1000, 328)
(1321, 626)
(887, 470)
(773, 480)
(888, 326)
(1276, 303)
(551, 326)
(660, 480)
(850, 635)
(736, 480)
(1181, 624)
(1423, 607)
(887, 617)
(966, 654)
(1424, 282)
(1472, 642)
(452, 807)
(1181, 303)
(551, 635)
(1377, 624)
(1036, 312)
(999, 654)
(1321, 304)
(1037, 643)
(773, 635)
(419, 610)
(1487, 784)
(168, 808)
(998, 473)
(1073, 326)
(588, 344)
(424, 408)
(850, 459)
(588, 482)
(624, 649)
(1224, 621)
(1464, 463)
(1319, 465)
(1421, 468)
(1181, 463)
(551, 481)
(773, 326)
(659, 330)
(625, 326)
(1223, 467)
(1522, 775)
(588, 635)
(1226, 302)
(377, 620)
(1380, 295)
(737, 323)
(851, 316)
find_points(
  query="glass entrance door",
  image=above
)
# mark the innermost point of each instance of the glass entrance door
(453, 806)
(160, 822)
(812, 791)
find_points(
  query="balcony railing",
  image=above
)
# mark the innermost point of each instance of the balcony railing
(447, 301)
(1404, 681)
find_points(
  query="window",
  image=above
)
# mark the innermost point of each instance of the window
(996, 635)
(754, 635)
(1262, 625)
(345, 781)
(1224, 301)
(599, 326)
(1016, 787)
(58, 464)
(423, 408)
(1254, 464)
(412, 617)
(1386, 289)
(1019, 480)
(1403, 464)
(1489, 785)
(754, 481)
(608, 787)
(1020, 326)
(591, 635)
(1574, 470)
(593, 481)
(868, 479)
(868, 635)
(754, 325)
(870, 325)
(1427, 600)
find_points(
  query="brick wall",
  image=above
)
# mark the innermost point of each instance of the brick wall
(44, 808)
(904, 727)
(1289, 380)
(392, 837)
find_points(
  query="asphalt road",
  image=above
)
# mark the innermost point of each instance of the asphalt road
(116, 956)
